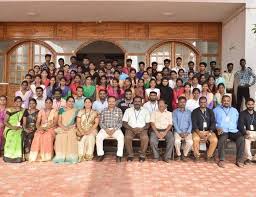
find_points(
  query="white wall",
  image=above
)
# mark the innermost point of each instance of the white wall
(233, 40)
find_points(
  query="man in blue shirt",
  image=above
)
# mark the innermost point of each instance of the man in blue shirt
(226, 124)
(183, 126)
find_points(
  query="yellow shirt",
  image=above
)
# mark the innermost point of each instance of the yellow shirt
(161, 119)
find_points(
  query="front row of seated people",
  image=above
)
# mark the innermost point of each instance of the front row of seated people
(68, 135)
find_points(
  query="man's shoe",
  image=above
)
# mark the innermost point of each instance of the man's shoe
(142, 159)
(100, 158)
(239, 164)
(167, 160)
(247, 161)
(185, 159)
(221, 164)
(118, 159)
(197, 158)
(178, 158)
(129, 158)
(209, 159)
(155, 160)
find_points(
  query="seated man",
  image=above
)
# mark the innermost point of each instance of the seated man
(110, 124)
(247, 126)
(151, 105)
(226, 124)
(161, 124)
(136, 123)
(183, 127)
(102, 103)
(203, 126)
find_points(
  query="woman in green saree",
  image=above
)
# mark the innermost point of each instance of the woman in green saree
(13, 132)
(66, 147)
(89, 88)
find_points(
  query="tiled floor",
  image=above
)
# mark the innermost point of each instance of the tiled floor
(127, 179)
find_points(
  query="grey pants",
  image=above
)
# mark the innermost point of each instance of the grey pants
(169, 138)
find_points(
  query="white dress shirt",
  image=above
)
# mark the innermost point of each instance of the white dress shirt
(136, 118)
(151, 107)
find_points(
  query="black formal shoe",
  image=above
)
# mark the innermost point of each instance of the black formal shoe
(100, 158)
(247, 161)
(239, 164)
(129, 158)
(185, 159)
(178, 158)
(118, 159)
(142, 159)
(166, 160)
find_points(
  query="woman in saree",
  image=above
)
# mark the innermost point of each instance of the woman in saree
(89, 89)
(13, 132)
(29, 127)
(66, 150)
(87, 123)
(42, 144)
(3, 101)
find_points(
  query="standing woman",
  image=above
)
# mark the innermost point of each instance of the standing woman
(140, 90)
(52, 87)
(220, 93)
(29, 127)
(177, 92)
(128, 85)
(87, 123)
(24, 93)
(132, 75)
(44, 76)
(64, 88)
(66, 142)
(74, 84)
(101, 85)
(115, 90)
(3, 101)
(13, 133)
(42, 145)
(89, 89)
(159, 77)
(212, 84)
(166, 93)
(206, 92)
(187, 91)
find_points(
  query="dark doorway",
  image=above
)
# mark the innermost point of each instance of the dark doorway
(101, 50)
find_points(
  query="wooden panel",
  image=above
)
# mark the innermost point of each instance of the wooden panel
(3, 89)
(137, 31)
(173, 31)
(102, 30)
(209, 31)
(29, 30)
(12, 88)
(1, 31)
(64, 31)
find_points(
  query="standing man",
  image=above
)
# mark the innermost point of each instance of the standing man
(127, 101)
(226, 124)
(61, 63)
(178, 65)
(128, 67)
(212, 67)
(161, 124)
(246, 78)
(110, 124)
(202, 71)
(73, 65)
(203, 127)
(154, 66)
(136, 123)
(218, 78)
(58, 102)
(229, 81)
(45, 65)
(79, 99)
(102, 103)
(247, 126)
(167, 63)
(139, 74)
(152, 104)
(183, 127)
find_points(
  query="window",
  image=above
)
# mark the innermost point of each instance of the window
(172, 50)
(22, 58)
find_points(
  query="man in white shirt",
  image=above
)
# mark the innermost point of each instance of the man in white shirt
(229, 77)
(195, 84)
(178, 65)
(172, 81)
(102, 103)
(136, 123)
(152, 104)
(40, 99)
(161, 124)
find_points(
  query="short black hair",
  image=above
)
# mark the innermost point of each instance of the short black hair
(142, 63)
(203, 63)
(17, 98)
(182, 98)
(129, 60)
(178, 58)
(196, 89)
(230, 64)
(153, 92)
(47, 55)
(167, 60)
(191, 62)
(250, 99)
(39, 88)
(213, 62)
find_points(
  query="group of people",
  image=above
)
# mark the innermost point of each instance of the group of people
(61, 112)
